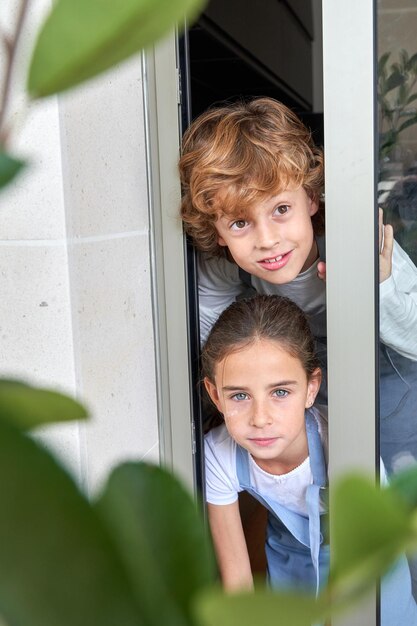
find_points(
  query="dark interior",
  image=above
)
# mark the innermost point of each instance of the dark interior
(219, 69)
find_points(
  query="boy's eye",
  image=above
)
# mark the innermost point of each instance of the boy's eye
(281, 209)
(281, 393)
(238, 224)
(239, 396)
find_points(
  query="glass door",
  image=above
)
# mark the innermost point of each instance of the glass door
(370, 77)
(397, 195)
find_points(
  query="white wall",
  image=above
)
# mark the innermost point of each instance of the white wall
(76, 308)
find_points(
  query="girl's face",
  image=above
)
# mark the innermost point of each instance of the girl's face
(262, 392)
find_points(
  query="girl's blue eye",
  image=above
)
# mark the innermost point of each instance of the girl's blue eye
(238, 225)
(282, 209)
(281, 393)
(239, 396)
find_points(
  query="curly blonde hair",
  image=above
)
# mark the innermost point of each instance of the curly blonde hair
(241, 153)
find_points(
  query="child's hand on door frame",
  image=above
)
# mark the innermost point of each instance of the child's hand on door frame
(386, 245)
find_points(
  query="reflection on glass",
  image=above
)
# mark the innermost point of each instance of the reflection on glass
(397, 195)
(400, 208)
(397, 190)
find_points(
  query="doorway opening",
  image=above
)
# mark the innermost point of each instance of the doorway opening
(239, 51)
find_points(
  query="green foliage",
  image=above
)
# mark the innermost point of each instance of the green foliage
(58, 564)
(135, 558)
(161, 539)
(396, 94)
(9, 168)
(81, 38)
(262, 608)
(139, 555)
(370, 529)
(404, 485)
(27, 407)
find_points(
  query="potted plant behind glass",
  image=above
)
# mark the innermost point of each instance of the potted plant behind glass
(396, 94)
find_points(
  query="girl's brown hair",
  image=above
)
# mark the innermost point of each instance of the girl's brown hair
(235, 155)
(272, 318)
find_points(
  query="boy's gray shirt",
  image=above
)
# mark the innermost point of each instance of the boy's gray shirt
(220, 284)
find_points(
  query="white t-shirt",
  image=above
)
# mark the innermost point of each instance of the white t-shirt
(222, 485)
(398, 306)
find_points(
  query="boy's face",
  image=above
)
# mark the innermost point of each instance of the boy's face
(275, 242)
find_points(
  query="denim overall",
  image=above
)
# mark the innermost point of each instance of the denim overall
(398, 410)
(398, 607)
(398, 421)
(295, 555)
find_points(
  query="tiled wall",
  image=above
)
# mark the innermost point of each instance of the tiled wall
(76, 309)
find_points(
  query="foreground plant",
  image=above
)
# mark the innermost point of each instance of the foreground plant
(136, 555)
(370, 529)
(139, 554)
(80, 39)
(397, 94)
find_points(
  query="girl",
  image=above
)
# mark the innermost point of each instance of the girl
(261, 372)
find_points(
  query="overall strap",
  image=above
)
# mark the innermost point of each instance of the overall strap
(315, 448)
(319, 473)
(306, 531)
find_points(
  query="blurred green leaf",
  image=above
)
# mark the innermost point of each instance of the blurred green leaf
(370, 527)
(27, 407)
(82, 38)
(9, 168)
(404, 485)
(264, 608)
(161, 537)
(58, 564)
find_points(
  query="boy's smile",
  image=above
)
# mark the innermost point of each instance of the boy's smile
(275, 240)
(276, 263)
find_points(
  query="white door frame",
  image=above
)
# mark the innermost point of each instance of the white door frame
(161, 105)
(352, 291)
